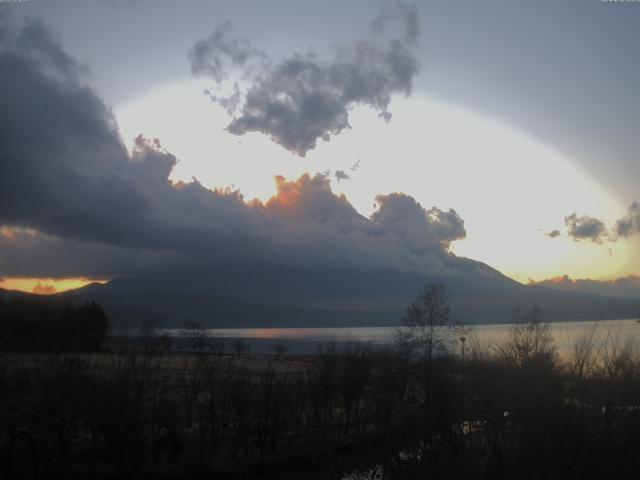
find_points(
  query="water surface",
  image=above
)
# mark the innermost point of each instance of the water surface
(566, 335)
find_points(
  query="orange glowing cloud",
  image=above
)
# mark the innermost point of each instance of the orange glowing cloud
(7, 233)
(288, 192)
(11, 233)
(560, 279)
(301, 193)
(46, 286)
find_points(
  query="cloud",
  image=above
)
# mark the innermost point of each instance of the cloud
(222, 52)
(35, 254)
(7, 233)
(621, 287)
(75, 202)
(629, 224)
(420, 230)
(304, 98)
(589, 228)
(585, 228)
(341, 175)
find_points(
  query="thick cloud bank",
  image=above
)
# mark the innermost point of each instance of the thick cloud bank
(621, 287)
(419, 230)
(73, 200)
(302, 99)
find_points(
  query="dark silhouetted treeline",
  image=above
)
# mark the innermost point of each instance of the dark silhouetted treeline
(34, 323)
(138, 409)
(514, 412)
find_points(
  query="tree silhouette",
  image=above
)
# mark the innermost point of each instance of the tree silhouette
(424, 319)
(425, 330)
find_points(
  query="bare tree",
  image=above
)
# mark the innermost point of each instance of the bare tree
(529, 340)
(151, 340)
(217, 344)
(427, 322)
(427, 329)
(239, 347)
(196, 338)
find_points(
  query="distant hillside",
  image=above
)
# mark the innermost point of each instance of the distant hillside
(628, 287)
(31, 322)
(262, 296)
(7, 294)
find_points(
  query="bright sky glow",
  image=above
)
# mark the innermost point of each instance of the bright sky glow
(45, 286)
(507, 186)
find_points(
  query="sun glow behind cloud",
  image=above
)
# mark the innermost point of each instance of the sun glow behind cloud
(45, 286)
(508, 187)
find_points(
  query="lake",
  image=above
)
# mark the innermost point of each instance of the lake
(308, 340)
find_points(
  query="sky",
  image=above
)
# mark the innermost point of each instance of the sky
(146, 135)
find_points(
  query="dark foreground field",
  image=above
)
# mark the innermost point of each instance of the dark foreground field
(139, 411)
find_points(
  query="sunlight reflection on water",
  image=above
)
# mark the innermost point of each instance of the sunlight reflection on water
(624, 332)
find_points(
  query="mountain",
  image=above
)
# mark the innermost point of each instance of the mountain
(278, 296)
(7, 294)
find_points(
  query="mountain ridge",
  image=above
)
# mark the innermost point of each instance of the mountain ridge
(266, 295)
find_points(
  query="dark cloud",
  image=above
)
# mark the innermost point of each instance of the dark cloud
(229, 102)
(589, 228)
(26, 252)
(629, 224)
(305, 98)
(585, 228)
(341, 175)
(421, 230)
(222, 52)
(74, 201)
(553, 234)
(621, 287)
